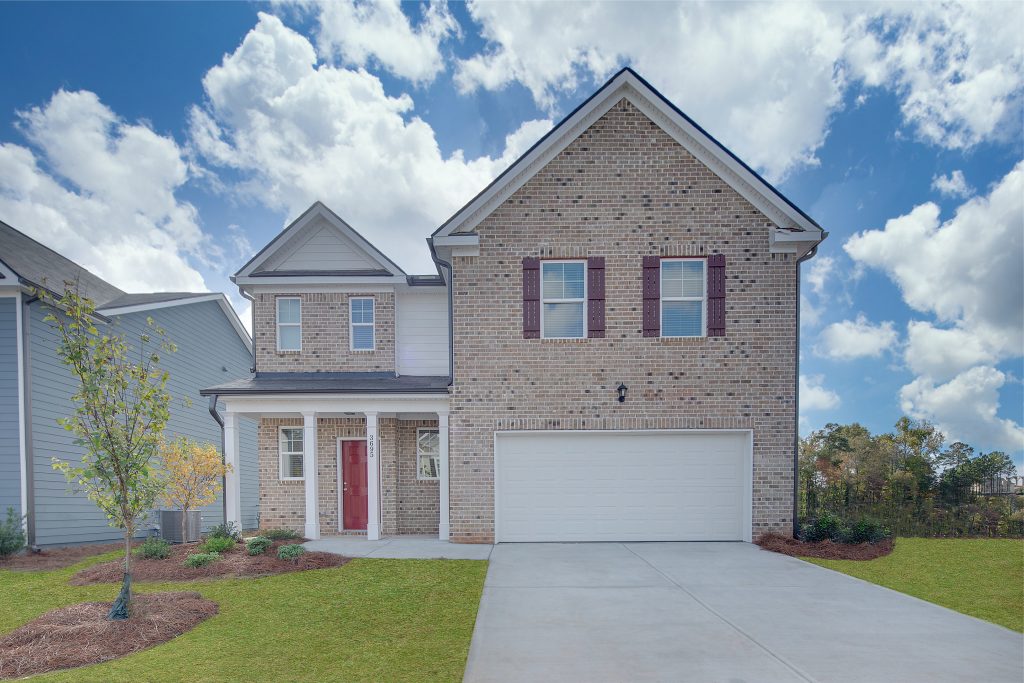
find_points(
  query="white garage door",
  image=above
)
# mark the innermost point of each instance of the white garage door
(622, 486)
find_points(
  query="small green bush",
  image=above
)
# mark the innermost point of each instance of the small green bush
(258, 545)
(197, 560)
(831, 527)
(279, 534)
(864, 530)
(154, 548)
(218, 544)
(228, 530)
(290, 552)
(12, 534)
(824, 527)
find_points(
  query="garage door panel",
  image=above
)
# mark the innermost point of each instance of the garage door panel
(586, 486)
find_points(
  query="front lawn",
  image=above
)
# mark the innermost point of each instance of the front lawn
(370, 620)
(983, 577)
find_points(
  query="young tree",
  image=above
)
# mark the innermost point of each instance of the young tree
(121, 409)
(192, 474)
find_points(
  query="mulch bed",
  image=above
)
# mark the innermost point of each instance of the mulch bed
(826, 550)
(55, 558)
(81, 634)
(235, 563)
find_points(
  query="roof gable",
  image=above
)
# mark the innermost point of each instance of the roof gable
(316, 243)
(792, 224)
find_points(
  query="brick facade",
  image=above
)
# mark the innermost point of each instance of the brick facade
(407, 506)
(325, 334)
(622, 190)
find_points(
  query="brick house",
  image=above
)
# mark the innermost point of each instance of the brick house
(608, 351)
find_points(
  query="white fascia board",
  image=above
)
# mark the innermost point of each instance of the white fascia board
(334, 404)
(222, 301)
(250, 283)
(627, 85)
(287, 286)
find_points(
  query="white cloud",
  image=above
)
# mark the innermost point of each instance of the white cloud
(767, 78)
(965, 408)
(814, 396)
(819, 272)
(952, 185)
(810, 315)
(358, 32)
(858, 338)
(102, 192)
(941, 353)
(299, 131)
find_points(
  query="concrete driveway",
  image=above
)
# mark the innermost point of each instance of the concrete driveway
(727, 612)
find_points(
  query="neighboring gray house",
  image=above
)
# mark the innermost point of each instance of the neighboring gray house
(35, 388)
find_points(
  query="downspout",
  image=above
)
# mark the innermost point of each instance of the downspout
(26, 371)
(796, 391)
(223, 454)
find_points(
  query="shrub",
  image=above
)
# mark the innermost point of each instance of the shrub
(258, 545)
(826, 526)
(218, 544)
(864, 530)
(290, 552)
(197, 560)
(154, 548)
(12, 534)
(226, 530)
(279, 534)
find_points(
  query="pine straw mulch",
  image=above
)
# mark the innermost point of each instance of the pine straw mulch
(233, 564)
(826, 550)
(55, 558)
(81, 634)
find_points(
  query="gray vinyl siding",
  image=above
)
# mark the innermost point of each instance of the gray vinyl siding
(208, 352)
(10, 437)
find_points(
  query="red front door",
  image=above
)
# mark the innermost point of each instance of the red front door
(355, 501)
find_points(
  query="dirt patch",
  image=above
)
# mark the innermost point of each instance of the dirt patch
(55, 558)
(81, 634)
(235, 563)
(826, 550)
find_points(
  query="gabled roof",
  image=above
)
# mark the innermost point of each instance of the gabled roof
(276, 259)
(628, 84)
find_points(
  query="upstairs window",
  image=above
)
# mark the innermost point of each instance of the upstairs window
(683, 297)
(289, 324)
(428, 454)
(563, 292)
(360, 313)
(290, 444)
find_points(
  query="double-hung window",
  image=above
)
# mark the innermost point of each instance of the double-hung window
(360, 318)
(428, 454)
(563, 293)
(289, 324)
(290, 444)
(683, 297)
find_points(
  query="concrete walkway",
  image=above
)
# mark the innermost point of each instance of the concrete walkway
(400, 547)
(727, 612)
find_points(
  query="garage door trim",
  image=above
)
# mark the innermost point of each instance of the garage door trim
(748, 467)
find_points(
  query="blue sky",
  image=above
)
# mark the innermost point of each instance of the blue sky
(160, 144)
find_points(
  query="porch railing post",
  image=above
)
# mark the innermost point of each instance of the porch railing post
(309, 449)
(372, 478)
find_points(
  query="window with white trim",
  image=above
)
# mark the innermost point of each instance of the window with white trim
(683, 297)
(289, 324)
(563, 294)
(428, 454)
(290, 445)
(360, 321)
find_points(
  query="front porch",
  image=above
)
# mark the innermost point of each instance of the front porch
(370, 468)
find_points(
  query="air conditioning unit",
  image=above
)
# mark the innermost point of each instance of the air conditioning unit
(170, 525)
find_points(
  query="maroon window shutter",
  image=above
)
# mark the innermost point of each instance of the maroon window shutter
(531, 298)
(652, 296)
(595, 297)
(716, 295)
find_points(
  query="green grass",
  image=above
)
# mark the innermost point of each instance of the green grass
(370, 620)
(983, 577)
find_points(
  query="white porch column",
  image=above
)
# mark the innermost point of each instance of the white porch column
(233, 478)
(372, 478)
(442, 442)
(312, 530)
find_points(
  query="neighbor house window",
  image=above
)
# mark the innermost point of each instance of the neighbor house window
(289, 324)
(683, 297)
(428, 454)
(290, 445)
(360, 314)
(563, 293)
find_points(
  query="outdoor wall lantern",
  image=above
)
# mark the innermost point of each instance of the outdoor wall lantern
(622, 392)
